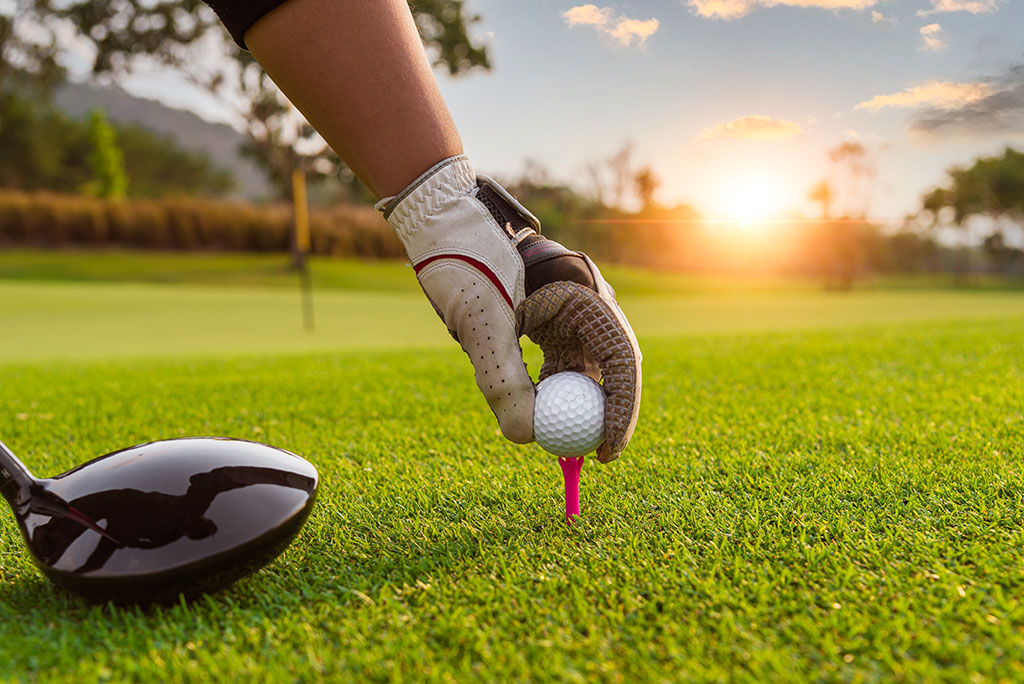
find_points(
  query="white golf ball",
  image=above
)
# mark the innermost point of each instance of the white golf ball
(568, 416)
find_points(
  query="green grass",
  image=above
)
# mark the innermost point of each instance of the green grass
(42, 320)
(200, 268)
(822, 487)
(272, 270)
(843, 506)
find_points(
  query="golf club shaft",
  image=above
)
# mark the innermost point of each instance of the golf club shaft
(12, 472)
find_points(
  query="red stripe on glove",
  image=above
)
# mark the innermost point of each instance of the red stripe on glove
(475, 264)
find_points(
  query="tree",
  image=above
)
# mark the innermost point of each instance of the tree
(841, 243)
(34, 141)
(158, 166)
(851, 173)
(992, 188)
(41, 148)
(29, 46)
(105, 159)
(614, 182)
(822, 194)
(182, 34)
(619, 168)
(29, 69)
(646, 185)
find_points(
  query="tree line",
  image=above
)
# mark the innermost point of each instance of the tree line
(614, 215)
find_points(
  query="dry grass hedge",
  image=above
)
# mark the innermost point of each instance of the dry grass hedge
(53, 220)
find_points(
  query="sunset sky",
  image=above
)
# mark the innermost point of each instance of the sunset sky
(729, 98)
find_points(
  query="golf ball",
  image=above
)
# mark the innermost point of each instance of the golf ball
(568, 416)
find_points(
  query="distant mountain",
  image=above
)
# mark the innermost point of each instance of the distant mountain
(221, 142)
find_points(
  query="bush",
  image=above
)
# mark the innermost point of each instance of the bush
(54, 220)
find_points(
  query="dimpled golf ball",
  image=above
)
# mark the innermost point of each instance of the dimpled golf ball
(568, 416)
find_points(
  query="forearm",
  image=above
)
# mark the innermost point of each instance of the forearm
(359, 74)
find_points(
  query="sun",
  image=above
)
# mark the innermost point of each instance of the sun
(749, 199)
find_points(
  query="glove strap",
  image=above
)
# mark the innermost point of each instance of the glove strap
(515, 219)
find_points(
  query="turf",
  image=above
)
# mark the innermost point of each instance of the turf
(836, 505)
(273, 270)
(41, 320)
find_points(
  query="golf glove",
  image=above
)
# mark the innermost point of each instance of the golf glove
(491, 277)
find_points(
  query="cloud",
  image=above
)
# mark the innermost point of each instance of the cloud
(981, 109)
(1000, 112)
(621, 29)
(753, 127)
(626, 29)
(938, 95)
(933, 39)
(588, 15)
(733, 9)
(972, 6)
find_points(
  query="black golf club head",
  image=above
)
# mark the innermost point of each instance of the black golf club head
(155, 521)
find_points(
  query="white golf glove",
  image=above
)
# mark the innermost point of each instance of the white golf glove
(491, 277)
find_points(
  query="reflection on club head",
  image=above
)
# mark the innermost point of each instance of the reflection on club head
(181, 516)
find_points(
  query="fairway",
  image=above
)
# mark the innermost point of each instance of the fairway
(838, 499)
(841, 504)
(100, 320)
(792, 506)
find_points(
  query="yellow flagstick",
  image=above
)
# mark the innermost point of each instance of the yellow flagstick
(302, 245)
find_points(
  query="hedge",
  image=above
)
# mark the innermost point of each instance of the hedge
(54, 220)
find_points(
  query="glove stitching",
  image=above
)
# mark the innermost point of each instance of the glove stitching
(452, 182)
(466, 268)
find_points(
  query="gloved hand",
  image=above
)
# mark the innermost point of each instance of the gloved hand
(491, 277)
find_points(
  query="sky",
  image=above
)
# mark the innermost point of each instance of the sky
(734, 103)
(728, 97)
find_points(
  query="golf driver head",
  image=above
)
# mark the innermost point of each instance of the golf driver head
(159, 520)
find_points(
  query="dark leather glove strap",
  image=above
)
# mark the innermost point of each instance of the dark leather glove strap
(549, 262)
(546, 260)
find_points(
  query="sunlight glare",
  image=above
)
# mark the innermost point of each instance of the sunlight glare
(749, 199)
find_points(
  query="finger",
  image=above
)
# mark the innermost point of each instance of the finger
(559, 313)
(565, 357)
(553, 362)
(501, 376)
(605, 333)
(486, 328)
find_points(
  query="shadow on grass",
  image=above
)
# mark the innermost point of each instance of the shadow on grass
(312, 570)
